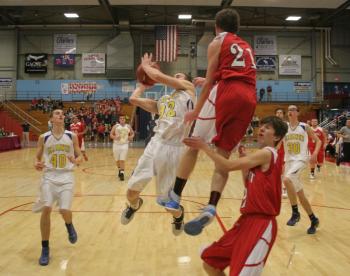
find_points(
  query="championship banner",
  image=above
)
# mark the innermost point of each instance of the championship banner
(266, 63)
(65, 44)
(302, 86)
(78, 87)
(265, 45)
(93, 63)
(289, 64)
(35, 63)
(65, 60)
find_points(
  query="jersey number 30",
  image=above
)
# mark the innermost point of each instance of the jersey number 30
(239, 60)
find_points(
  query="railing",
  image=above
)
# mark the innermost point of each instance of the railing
(20, 116)
(23, 112)
(334, 121)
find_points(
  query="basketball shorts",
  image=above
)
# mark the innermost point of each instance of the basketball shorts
(292, 170)
(159, 160)
(50, 193)
(245, 247)
(320, 155)
(226, 114)
(120, 152)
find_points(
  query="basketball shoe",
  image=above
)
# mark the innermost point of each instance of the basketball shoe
(129, 212)
(45, 256)
(195, 226)
(178, 223)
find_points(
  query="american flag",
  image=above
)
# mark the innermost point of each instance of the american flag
(166, 43)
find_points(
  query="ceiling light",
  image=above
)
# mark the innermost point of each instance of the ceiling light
(293, 18)
(71, 15)
(185, 16)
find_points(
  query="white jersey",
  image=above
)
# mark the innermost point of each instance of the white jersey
(171, 109)
(296, 143)
(58, 168)
(123, 133)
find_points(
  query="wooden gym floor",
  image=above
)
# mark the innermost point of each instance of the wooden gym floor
(147, 246)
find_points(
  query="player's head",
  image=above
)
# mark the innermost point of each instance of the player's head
(75, 119)
(122, 119)
(272, 130)
(227, 20)
(314, 122)
(182, 76)
(293, 112)
(280, 113)
(57, 116)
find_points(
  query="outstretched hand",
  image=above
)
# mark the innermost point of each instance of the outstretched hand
(146, 60)
(198, 81)
(195, 142)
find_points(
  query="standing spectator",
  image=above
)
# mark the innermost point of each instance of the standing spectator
(261, 94)
(345, 134)
(25, 128)
(269, 93)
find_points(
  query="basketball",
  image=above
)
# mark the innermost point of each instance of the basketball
(142, 76)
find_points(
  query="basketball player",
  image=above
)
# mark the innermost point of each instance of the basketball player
(312, 144)
(223, 112)
(296, 156)
(246, 246)
(60, 152)
(78, 127)
(121, 134)
(280, 113)
(162, 154)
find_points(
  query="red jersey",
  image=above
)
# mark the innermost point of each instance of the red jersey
(263, 189)
(236, 60)
(280, 151)
(320, 134)
(78, 128)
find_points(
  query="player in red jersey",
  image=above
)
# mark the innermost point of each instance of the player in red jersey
(223, 112)
(280, 113)
(78, 127)
(312, 145)
(246, 246)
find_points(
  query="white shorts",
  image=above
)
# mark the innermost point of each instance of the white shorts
(292, 170)
(51, 193)
(159, 160)
(205, 124)
(120, 152)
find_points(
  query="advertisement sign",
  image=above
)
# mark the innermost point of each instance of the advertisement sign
(265, 45)
(302, 86)
(6, 83)
(128, 86)
(65, 60)
(65, 44)
(266, 63)
(93, 63)
(78, 87)
(35, 63)
(289, 64)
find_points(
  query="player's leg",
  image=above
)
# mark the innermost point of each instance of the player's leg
(312, 164)
(320, 159)
(65, 199)
(219, 179)
(292, 183)
(212, 271)
(141, 176)
(45, 225)
(82, 148)
(307, 207)
(122, 157)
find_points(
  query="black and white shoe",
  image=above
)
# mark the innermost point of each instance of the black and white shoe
(128, 213)
(178, 223)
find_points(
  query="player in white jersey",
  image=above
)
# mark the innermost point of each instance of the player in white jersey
(162, 154)
(121, 134)
(296, 157)
(60, 152)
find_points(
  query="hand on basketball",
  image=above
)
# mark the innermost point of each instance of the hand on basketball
(190, 116)
(198, 81)
(195, 142)
(146, 60)
(39, 165)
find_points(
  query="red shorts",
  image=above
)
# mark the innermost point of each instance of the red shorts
(245, 247)
(234, 107)
(320, 155)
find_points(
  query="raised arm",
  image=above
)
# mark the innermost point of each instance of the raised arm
(146, 104)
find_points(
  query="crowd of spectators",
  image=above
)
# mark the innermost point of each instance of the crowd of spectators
(4, 133)
(45, 104)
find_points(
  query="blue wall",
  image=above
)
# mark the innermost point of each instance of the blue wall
(28, 89)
